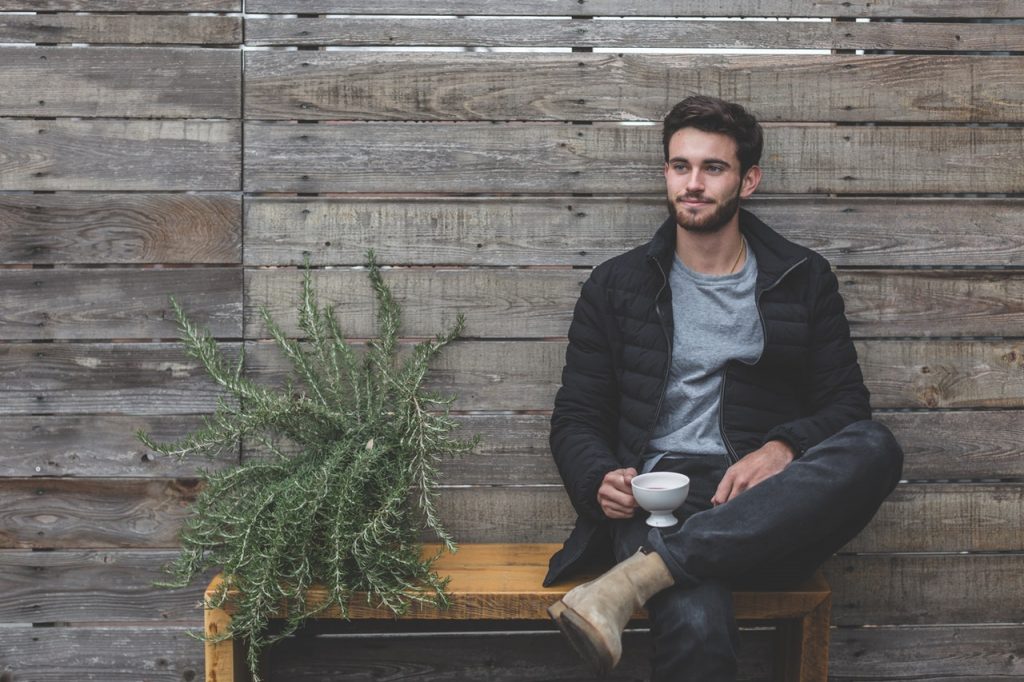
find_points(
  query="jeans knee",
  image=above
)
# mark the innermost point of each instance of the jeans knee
(880, 449)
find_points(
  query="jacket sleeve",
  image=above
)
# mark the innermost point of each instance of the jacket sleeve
(835, 394)
(585, 416)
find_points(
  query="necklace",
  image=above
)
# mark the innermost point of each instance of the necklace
(743, 250)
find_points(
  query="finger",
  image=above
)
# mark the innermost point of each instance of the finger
(619, 498)
(614, 511)
(722, 493)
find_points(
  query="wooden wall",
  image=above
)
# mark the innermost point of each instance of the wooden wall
(150, 147)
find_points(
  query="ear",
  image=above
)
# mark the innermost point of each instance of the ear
(750, 181)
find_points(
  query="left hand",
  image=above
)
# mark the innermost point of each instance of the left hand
(759, 465)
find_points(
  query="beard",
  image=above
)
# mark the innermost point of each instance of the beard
(709, 224)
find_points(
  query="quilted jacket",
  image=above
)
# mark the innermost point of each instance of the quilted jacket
(806, 386)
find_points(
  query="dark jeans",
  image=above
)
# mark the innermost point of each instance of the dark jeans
(773, 534)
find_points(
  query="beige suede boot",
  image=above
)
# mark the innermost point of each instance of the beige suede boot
(594, 614)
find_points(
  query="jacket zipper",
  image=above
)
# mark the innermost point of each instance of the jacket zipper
(668, 365)
(730, 451)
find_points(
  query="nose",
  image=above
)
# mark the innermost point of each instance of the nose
(694, 182)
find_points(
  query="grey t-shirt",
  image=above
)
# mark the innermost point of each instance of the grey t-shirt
(715, 320)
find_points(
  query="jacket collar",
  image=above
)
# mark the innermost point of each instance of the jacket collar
(775, 254)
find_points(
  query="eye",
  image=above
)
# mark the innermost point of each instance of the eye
(715, 168)
(679, 167)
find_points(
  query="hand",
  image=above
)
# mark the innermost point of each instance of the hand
(616, 494)
(759, 465)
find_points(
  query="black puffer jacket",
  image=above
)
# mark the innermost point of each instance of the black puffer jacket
(805, 387)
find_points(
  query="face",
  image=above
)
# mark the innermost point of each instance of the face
(703, 182)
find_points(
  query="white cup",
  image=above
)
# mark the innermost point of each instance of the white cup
(661, 493)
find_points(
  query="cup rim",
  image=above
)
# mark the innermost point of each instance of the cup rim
(674, 479)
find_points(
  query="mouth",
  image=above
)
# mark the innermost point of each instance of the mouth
(693, 203)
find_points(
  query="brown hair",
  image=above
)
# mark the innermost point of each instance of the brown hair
(713, 115)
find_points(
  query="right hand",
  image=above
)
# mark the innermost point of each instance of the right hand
(616, 494)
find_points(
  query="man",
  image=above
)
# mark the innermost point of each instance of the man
(719, 350)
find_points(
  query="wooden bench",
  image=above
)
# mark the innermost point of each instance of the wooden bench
(503, 582)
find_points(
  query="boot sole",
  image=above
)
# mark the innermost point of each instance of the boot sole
(582, 636)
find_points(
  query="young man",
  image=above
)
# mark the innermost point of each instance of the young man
(719, 350)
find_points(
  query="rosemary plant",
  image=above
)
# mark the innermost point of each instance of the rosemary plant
(345, 504)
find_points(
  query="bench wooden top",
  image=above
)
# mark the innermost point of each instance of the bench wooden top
(503, 582)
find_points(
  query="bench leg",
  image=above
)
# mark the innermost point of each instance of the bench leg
(225, 660)
(802, 646)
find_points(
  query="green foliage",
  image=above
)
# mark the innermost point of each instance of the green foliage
(346, 510)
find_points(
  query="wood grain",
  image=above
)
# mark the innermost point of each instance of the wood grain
(961, 446)
(524, 375)
(121, 5)
(930, 654)
(120, 228)
(580, 231)
(117, 303)
(925, 589)
(730, 8)
(94, 513)
(915, 518)
(663, 33)
(320, 85)
(105, 378)
(121, 653)
(98, 29)
(557, 158)
(98, 446)
(94, 586)
(123, 82)
(506, 303)
(120, 155)
(126, 513)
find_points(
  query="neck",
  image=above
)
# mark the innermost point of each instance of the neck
(720, 253)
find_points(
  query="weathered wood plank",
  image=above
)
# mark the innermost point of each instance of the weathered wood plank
(524, 375)
(93, 513)
(962, 445)
(117, 303)
(928, 654)
(663, 33)
(105, 378)
(557, 158)
(123, 513)
(539, 303)
(915, 518)
(120, 228)
(120, 155)
(921, 589)
(97, 29)
(608, 87)
(94, 586)
(933, 303)
(123, 82)
(514, 448)
(124, 653)
(120, 6)
(729, 8)
(944, 373)
(937, 445)
(589, 230)
(97, 446)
